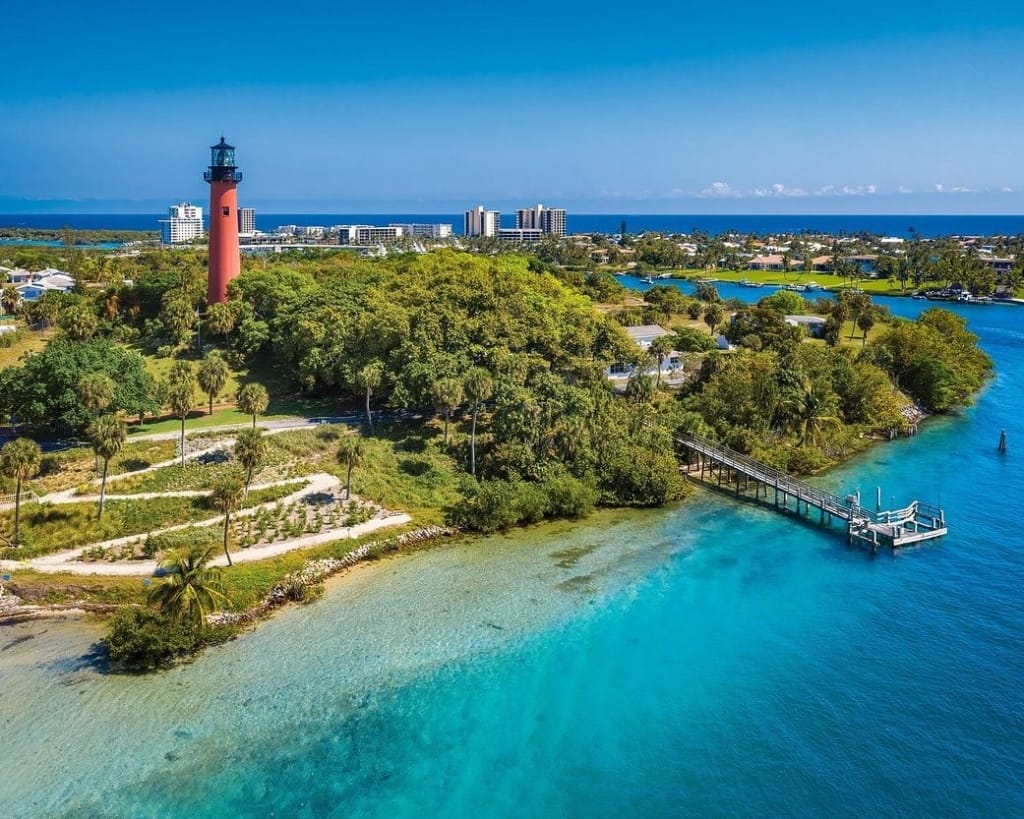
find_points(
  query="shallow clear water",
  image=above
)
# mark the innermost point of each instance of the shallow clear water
(713, 659)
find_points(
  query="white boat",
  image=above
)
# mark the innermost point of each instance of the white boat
(749, 283)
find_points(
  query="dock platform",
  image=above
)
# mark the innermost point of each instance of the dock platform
(709, 463)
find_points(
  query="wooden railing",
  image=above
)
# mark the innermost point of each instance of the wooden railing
(769, 475)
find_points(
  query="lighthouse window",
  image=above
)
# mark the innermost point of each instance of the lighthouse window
(226, 210)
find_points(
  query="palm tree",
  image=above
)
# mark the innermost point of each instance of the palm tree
(811, 410)
(226, 496)
(479, 388)
(96, 392)
(179, 393)
(10, 299)
(250, 450)
(253, 400)
(659, 349)
(349, 455)
(369, 378)
(713, 315)
(447, 395)
(213, 374)
(78, 321)
(107, 434)
(19, 461)
(192, 588)
(220, 320)
(865, 321)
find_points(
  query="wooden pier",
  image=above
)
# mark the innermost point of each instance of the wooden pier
(711, 463)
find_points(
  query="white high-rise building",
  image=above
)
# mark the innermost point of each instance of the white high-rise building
(184, 223)
(246, 221)
(481, 222)
(549, 220)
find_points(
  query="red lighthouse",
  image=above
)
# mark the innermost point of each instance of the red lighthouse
(223, 177)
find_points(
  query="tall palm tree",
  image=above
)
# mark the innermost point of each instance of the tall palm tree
(179, 393)
(369, 379)
(10, 299)
(349, 455)
(19, 461)
(220, 320)
(659, 349)
(811, 410)
(447, 395)
(251, 451)
(192, 588)
(226, 497)
(253, 400)
(479, 388)
(213, 374)
(96, 392)
(107, 434)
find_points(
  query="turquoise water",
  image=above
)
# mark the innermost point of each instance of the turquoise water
(710, 660)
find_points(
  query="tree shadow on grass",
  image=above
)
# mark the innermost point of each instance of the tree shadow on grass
(414, 468)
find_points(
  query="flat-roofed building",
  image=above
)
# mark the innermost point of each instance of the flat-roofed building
(184, 223)
(482, 222)
(548, 220)
(426, 231)
(246, 221)
(521, 235)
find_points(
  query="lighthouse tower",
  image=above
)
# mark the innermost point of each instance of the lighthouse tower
(223, 177)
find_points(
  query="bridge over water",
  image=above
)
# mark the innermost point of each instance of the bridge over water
(715, 464)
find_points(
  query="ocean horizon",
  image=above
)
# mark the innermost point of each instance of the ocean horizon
(902, 225)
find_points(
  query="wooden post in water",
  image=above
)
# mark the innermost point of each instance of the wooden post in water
(1002, 442)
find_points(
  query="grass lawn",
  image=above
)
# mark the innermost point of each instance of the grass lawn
(406, 468)
(282, 407)
(289, 455)
(47, 528)
(73, 467)
(32, 341)
(882, 287)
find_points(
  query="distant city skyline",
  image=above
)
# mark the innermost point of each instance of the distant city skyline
(666, 108)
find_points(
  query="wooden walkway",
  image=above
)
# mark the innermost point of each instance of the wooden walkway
(708, 462)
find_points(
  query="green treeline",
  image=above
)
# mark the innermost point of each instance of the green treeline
(509, 356)
(513, 347)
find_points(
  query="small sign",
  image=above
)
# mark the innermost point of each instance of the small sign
(146, 581)
(6, 578)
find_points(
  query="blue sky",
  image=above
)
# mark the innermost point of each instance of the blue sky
(789, 107)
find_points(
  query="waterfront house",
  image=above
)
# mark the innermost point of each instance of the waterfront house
(821, 264)
(643, 336)
(770, 262)
(21, 276)
(813, 325)
(865, 263)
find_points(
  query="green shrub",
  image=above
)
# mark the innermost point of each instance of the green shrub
(569, 497)
(490, 506)
(142, 640)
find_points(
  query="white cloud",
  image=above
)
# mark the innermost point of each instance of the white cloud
(719, 190)
(939, 187)
(1007, 189)
(904, 189)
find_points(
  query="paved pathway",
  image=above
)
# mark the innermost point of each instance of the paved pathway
(69, 560)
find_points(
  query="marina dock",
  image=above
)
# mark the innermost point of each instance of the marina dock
(716, 465)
